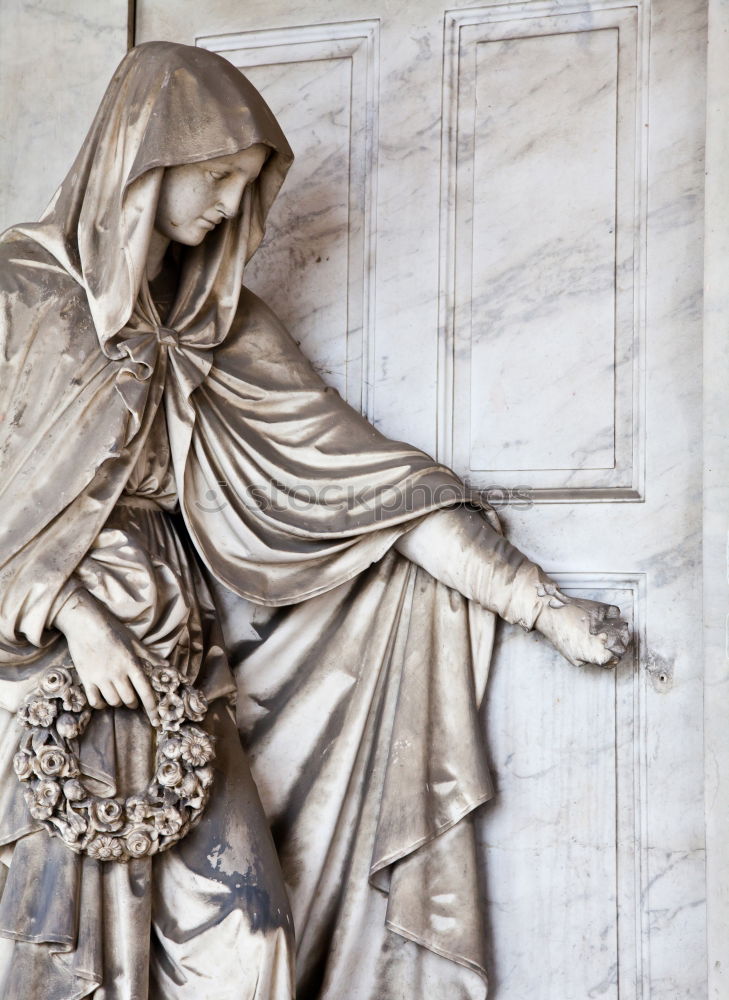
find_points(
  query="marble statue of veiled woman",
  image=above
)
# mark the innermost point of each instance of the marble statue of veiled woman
(138, 380)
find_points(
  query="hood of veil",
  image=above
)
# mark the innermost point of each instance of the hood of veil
(167, 104)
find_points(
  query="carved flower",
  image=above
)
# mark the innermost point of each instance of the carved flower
(197, 747)
(205, 775)
(68, 726)
(137, 809)
(50, 762)
(164, 679)
(171, 711)
(170, 773)
(171, 748)
(105, 849)
(23, 765)
(74, 790)
(38, 712)
(42, 798)
(168, 822)
(139, 841)
(55, 680)
(83, 719)
(106, 815)
(74, 699)
(191, 790)
(195, 704)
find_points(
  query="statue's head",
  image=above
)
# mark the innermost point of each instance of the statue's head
(194, 198)
(184, 145)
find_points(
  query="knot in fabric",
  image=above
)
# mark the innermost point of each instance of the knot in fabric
(167, 336)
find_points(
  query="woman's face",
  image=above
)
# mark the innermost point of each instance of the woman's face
(195, 197)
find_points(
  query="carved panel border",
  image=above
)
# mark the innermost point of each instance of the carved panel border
(632, 681)
(464, 30)
(358, 42)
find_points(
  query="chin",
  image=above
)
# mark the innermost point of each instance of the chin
(191, 237)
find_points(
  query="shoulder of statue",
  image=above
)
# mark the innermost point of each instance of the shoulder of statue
(40, 303)
(28, 269)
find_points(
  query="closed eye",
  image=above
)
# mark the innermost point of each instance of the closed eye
(219, 175)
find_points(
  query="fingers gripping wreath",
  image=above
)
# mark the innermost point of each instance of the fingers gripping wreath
(54, 718)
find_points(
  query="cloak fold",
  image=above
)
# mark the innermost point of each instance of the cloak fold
(360, 715)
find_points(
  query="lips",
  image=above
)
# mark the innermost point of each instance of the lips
(210, 223)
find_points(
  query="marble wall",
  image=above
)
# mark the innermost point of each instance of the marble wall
(716, 499)
(56, 57)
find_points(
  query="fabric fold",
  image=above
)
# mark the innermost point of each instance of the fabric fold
(360, 715)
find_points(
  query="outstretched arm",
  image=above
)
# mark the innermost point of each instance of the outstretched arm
(460, 549)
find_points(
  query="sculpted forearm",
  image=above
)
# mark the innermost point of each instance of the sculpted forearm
(460, 549)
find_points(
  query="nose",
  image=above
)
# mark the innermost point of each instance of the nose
(229, 197)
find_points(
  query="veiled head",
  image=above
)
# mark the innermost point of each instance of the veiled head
(168, 110)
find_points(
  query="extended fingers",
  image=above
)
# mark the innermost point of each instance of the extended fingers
(143, 688)
(94, 696)
(126, 692)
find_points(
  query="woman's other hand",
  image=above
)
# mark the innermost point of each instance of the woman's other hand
(584, 631)
(106, 655)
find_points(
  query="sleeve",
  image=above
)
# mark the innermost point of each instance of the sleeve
(61, 460)
(460, 549)
(287, 491)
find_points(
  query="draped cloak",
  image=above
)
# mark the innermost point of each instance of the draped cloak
(359, 709)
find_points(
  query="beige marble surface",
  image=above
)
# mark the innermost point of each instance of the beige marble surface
(56, 57)
(716, 499)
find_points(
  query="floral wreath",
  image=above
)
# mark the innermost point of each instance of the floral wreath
(55, 716)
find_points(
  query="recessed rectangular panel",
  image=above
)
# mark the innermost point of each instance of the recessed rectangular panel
(543, 265)
(542, 229)
(561, 840)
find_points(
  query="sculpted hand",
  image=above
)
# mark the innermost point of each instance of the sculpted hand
(106, 655)
(583, 631)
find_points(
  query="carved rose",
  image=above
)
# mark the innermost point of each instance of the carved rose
(137, 809)
(138, 842)
(74, 699)
(171, 711)
(55, 680)
(170, 773)
(106, 815)
(192, 791)
(38, 712)
(164, 679)
(50, 762)
(42, 798)
(205, 775)
(168, 822)
(68, 726)
(195, 704)
(105, 848)
(171, 748)
(197, 747)
(74, 790)
(22, 765)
